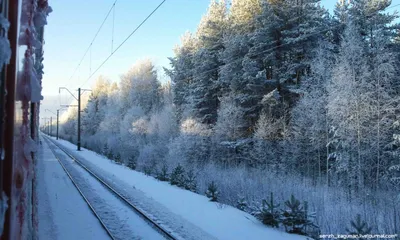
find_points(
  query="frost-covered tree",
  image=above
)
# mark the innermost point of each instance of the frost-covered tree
(242, 15)
(109, 128)
(230, 124)
(181, 73)
(370, 18)
(384, 101)
(204, 89)
(193, 144)
(349, 109)
(94, 112)
(302, 20)
(140, 87)
(231, 71)
(309, 126)
(270, 131)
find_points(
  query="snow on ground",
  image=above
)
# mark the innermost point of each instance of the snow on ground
(119, 218)
(220, 221)
(62, 213)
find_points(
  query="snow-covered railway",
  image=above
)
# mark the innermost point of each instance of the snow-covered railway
(119, 217)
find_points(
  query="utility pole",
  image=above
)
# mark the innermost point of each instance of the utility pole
(80, 91)
(58, 122)
(51, 125)
(58, 111)
(79, 119)
(44, 129)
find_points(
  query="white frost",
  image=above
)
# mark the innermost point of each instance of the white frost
(5, 51)
(3, 209)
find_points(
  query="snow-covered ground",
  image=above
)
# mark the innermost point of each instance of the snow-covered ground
(62, 213)
(176, 208)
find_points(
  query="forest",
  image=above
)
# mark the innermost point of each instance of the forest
(276, 107)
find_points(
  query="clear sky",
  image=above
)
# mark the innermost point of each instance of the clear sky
(73, 24)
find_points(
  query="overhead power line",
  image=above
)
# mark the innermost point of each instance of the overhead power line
(123, 42)
(94, 38)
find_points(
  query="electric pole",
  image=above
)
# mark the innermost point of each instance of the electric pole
(79, 119)
(80, 91)
(58, 122)
(58, 111)
(51, 125)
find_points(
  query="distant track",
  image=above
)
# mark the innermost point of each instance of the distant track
(147, 219)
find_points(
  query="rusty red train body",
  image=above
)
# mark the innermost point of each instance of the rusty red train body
(19, 109)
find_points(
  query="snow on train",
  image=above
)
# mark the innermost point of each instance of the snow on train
(21, 54)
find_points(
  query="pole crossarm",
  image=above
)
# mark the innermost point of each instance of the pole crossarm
(59, 91)
(68, 105)
(47, 110)
(85, 90)
(80, 92)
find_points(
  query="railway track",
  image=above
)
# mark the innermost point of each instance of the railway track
(140, 213)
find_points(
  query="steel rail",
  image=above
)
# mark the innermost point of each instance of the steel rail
(155, 225)
(80, 191)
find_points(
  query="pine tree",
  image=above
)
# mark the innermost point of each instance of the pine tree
(309, 227)
(204, 90)
(117, 158)
(293, 217)
(181, 73)
(105, 150)
(162, 175)
(132, 162)
(212, 192)
(269, 213)
(298, 21)
(241, 204)
(203, 96)
(191, 181)
(359, 227)
(178, 177)
(242, 15)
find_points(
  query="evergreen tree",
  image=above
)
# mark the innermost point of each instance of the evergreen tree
(292, 217)
(212, 192)
(359, 227)
(242, 15)
(117, 158)
(162, 175)
(181, 73)
(297, 219)
(178, 177)
(191, 181)
(132, 162)
(269, 213)
(241, 204)
(204, 91)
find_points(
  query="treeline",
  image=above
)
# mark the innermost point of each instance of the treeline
(320, 91)
(268, 92)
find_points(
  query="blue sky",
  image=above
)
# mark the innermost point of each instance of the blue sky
(72, 25)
